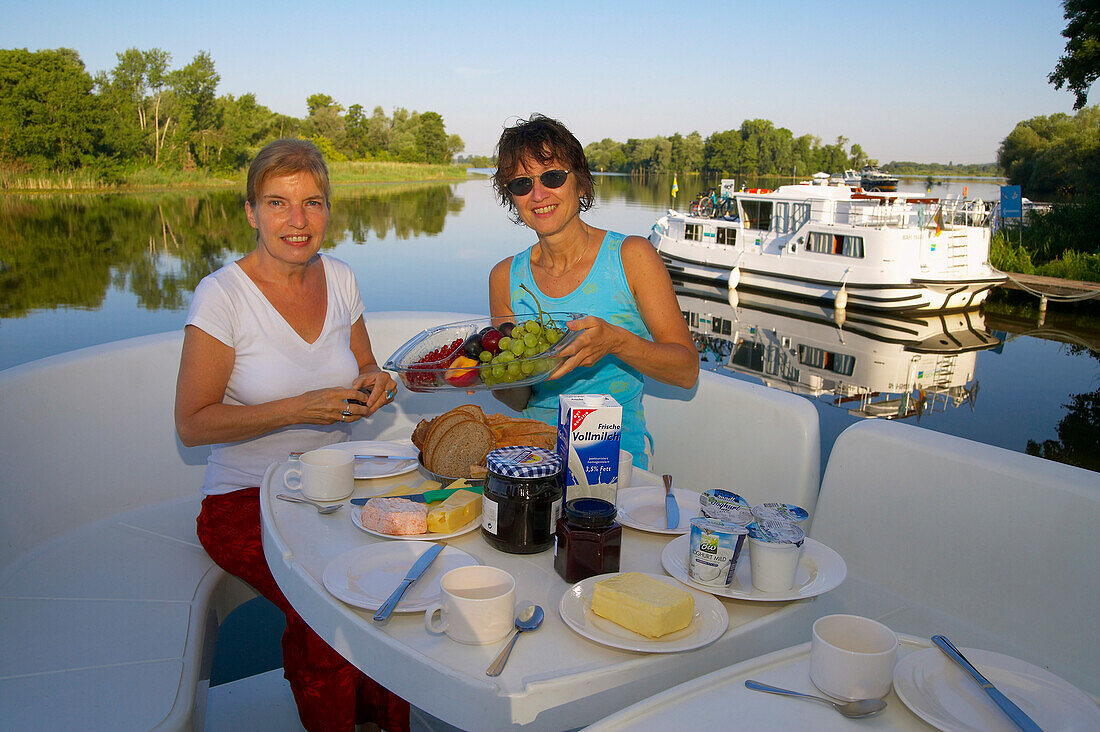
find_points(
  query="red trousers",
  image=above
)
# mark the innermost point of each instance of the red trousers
(331, 694)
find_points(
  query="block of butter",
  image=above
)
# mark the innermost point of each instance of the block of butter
(643, 604)
(460, 508)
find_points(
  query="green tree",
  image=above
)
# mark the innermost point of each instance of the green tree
(1056, 155)
(431, 139)
(1080, 66)
(49, 117)
(722, 153)
(194, 87)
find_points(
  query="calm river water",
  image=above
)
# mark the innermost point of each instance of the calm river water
(81, 270)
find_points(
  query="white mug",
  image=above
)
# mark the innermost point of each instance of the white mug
(852, 657)
(476, 606)
(626, 468)
(325, 475)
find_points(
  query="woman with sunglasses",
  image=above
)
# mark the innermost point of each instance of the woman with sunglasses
(633, 325)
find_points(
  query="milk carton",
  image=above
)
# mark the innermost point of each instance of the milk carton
(589, 428)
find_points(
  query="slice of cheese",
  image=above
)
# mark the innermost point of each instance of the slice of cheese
(460, 508)
(643, 604)
(404, 490)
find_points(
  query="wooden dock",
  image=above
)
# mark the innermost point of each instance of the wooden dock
(1053, 288)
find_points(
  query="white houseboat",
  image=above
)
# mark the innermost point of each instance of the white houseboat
(885, 252)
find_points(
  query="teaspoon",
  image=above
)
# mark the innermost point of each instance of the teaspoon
(321, 509)
(528, 619)
(853, 709)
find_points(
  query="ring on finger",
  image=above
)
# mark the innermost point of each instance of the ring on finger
(391, 393)
(345, 413)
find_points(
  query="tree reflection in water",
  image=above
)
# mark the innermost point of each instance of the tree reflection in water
(70, 250)
(1078, 431)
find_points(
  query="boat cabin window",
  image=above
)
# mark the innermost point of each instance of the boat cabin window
(691, 318)
(782, 220)
(800, 215)
(756, 214)
(693, 232)
(727, 235)
(843, 244)
(722, 326)
(819, 358)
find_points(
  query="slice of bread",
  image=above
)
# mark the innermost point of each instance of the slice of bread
(462, 445)
(419, 433)
(473, 410)
(436, 430)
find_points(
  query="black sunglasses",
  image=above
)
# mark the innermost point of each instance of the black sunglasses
(522, 185)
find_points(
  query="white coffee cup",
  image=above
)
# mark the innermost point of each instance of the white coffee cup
(852, 657)
(324, 475)
(626, 468)
(476, 606)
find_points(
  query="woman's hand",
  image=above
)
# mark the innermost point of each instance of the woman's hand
(597, 339)
(376, 390)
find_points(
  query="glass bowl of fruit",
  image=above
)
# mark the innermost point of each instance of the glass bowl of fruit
(485, 353)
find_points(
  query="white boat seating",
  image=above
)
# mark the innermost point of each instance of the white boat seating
(993, 548)
(109, 603)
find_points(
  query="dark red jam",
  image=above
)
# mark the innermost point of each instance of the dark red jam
(588, 540)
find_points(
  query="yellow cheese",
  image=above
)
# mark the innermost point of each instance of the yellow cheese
(460, 508)
(643, 604)
(457, 484)
(404, 490)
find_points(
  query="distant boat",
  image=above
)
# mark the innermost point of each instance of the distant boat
(881, 252)
(875, 181)
(848, 178)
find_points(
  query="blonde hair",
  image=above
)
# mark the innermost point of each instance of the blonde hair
(286, 157)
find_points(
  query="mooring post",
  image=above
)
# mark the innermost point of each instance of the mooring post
(1042, 309)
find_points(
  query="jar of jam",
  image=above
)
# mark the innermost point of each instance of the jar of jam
(589, 540)
(522, 498)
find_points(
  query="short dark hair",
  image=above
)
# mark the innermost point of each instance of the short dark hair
(545, 140)
(286, 157)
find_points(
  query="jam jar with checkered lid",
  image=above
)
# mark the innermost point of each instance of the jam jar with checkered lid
(522, 499)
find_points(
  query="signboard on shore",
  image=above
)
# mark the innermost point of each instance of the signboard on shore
(1012, 202)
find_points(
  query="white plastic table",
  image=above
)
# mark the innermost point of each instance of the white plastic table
(554, 680)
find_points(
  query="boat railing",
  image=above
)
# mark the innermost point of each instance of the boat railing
(953, 213)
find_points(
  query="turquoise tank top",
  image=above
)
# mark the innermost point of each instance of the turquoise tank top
(605, 294)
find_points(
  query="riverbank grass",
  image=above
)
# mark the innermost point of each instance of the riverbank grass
(146, 179)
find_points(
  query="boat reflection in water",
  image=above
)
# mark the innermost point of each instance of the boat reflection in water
(873, 365)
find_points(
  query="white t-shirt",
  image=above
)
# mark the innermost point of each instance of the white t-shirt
(274, 362)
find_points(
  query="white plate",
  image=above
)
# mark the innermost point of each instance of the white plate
(357, 519)
(820, 569)
(365, 576)
(379, 468)
(708, 624)
(643, 508)
(942, 694)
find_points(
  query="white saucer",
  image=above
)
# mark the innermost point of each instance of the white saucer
(820, 569)
(367, 575)
(708, 624)
(365, 469)
(942, 694)
(643, 508)
(357, 519)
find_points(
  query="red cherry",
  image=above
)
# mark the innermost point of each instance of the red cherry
(490, 341)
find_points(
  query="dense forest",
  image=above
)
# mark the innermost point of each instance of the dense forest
(55, 116)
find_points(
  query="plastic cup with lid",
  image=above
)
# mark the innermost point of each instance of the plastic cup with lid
(774, 548)
(780, 512)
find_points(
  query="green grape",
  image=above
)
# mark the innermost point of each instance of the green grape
(485, 356)
(514, 368)
(504, 343)
(509, 378)
(527, 366)
(517, 346)
(532, 326)
(486, 374)
(553, 335)
(530, 340)
(499, 371)
(505, 357)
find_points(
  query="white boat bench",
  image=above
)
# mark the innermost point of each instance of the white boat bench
(109, 605)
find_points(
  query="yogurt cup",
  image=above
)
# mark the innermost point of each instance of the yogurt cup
(723, 505)
(774, 548)
(780, 512)
(713, 550)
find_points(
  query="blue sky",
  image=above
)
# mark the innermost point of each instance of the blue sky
(931, 81)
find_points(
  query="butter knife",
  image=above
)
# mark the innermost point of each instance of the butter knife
(672, 509)
(1017, 715)
(296, 455)
(413, 575)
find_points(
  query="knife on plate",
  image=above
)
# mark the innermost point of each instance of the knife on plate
(296, 455)
(413, 575)
(439, 494)
(1017, 715)
(672, 509)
